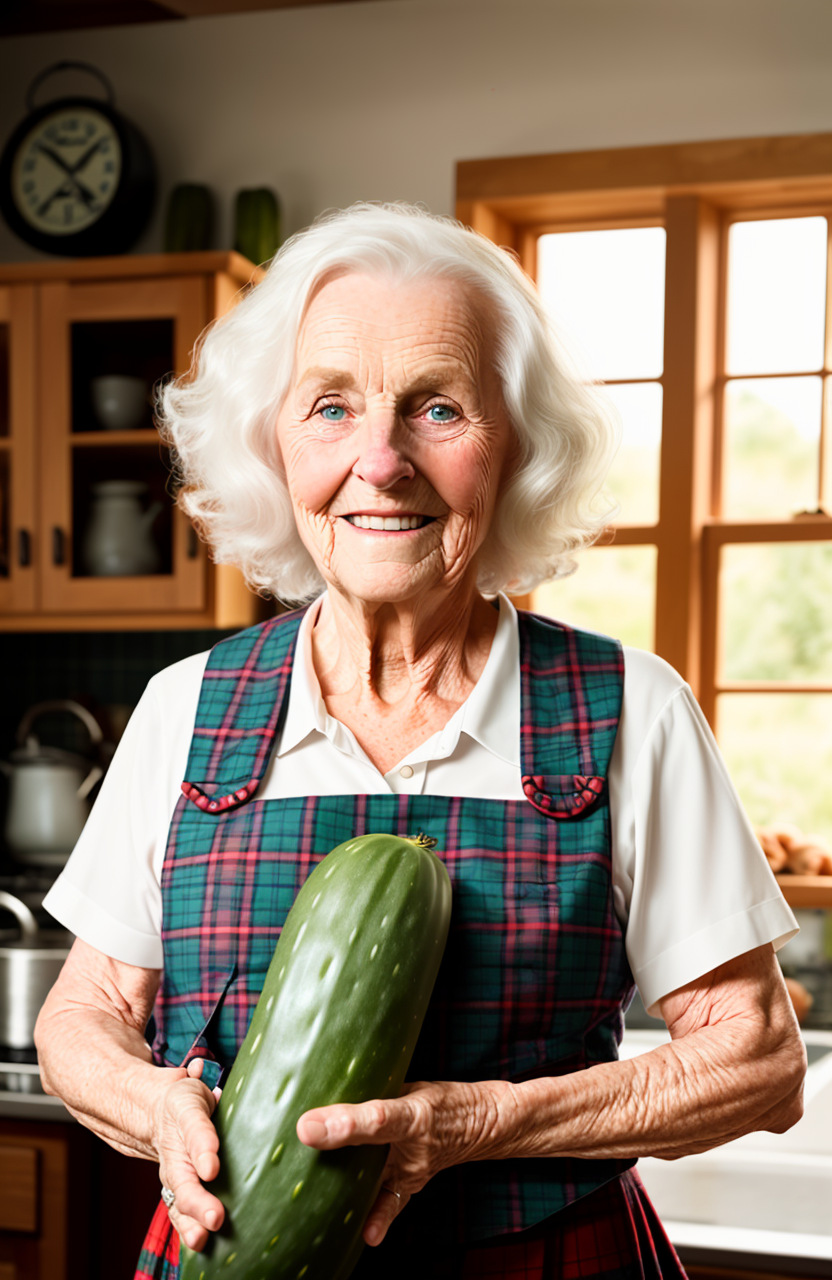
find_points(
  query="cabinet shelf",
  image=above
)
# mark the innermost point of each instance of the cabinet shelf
(143, 436)
(806, 891)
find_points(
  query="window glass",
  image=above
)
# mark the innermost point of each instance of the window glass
(776, 611)
(605, 290)
(613, 590)
(633, 480)
(772, 447)
(776, 295)
(778, 748)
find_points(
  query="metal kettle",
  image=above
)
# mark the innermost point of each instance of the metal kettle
(48, 790)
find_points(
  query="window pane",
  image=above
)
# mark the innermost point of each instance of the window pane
(776, 295)
(605, 290)
(778, 748)
(772, 446)
(776, 606)
(613, 590)
(633, 480)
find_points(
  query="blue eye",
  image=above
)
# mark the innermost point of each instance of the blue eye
(441, 413)
(333, 413)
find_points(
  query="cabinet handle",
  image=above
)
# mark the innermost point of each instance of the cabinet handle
(193, 543)
(58, 546)
(24, 548)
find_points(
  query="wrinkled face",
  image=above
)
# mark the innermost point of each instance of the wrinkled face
(393, 434)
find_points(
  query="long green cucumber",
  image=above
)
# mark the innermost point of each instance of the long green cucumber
(337, 1021)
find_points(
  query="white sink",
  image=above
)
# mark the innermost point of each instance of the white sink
(763, 1182)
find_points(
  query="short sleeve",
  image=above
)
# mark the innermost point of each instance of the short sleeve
(702, 891)
(109, 893)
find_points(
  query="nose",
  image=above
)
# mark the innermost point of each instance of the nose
(382, 460)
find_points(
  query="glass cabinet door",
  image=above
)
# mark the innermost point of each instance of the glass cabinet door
(17, 450)
(111, 540)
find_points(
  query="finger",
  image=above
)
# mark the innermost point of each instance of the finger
(345, 1125)
(192, 1110)
(386, 1209)
(192, 1232)
(188, 1155)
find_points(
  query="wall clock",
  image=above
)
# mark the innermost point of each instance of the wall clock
(76, 177)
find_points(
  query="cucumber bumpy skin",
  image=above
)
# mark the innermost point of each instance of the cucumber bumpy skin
(337, 1021)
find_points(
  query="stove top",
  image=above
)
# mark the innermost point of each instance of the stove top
(19, 1071)
(30, 885)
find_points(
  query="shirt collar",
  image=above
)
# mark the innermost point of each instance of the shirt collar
(490, 715)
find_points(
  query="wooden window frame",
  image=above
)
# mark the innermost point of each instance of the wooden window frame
(694, 190)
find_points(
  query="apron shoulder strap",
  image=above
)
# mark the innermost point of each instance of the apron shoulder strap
(571, 687)
(242, 704)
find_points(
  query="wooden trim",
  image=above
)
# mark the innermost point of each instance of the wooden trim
(144, 300)
(809, 528)
(633, 535)
(687, 429)
(774, 686)
(488, 222)
(806, 891)
(143, 437)
(133, 266)
(18, 590)
(791, 167)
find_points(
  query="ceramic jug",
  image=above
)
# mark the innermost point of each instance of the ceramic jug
(118, 539)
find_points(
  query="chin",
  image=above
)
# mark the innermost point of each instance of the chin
(387, 584)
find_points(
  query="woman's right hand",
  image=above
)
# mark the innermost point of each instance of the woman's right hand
(93, 1055)
(187, 1145)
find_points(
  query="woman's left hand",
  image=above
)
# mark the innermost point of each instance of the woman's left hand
(431, 1126)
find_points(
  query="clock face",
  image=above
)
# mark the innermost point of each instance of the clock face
(66, 171)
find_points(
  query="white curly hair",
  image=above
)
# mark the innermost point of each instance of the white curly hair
(220, 418)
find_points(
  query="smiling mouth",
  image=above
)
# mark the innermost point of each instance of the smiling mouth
(389, 524)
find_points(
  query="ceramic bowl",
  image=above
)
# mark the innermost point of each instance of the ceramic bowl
(120, 402)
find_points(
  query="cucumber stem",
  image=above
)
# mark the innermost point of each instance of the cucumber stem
(422, 841)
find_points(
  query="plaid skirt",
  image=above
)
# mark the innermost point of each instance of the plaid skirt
(612, 1233)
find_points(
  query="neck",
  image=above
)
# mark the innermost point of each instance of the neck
(434, 646)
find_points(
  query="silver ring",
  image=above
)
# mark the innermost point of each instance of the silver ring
(397, 1194)
(168, 1197)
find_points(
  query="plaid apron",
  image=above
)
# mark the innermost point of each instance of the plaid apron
(534, 979)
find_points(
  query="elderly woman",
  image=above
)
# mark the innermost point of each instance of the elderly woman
(388, 417)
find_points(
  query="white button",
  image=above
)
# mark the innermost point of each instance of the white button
(406, 771)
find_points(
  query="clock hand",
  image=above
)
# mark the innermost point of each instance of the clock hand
(79, 164)
(63, 189)
(54, 157)
(84, 192)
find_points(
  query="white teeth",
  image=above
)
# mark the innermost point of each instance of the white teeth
(389, 524)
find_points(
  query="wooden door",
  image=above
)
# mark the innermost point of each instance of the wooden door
(18, 535)
(142, 329)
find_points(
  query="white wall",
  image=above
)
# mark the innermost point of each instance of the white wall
(379, 100)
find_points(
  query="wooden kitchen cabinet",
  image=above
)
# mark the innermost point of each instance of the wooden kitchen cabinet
(62, 325)
(80, 1209)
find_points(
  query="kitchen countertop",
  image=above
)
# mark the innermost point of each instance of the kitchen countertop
(790, 1253)
(32, 1106)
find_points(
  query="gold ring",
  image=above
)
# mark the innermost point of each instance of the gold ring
(397, 1194)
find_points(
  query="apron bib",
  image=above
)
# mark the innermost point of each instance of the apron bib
(535, 977)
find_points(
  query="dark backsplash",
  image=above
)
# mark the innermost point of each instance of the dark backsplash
(99, 669)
